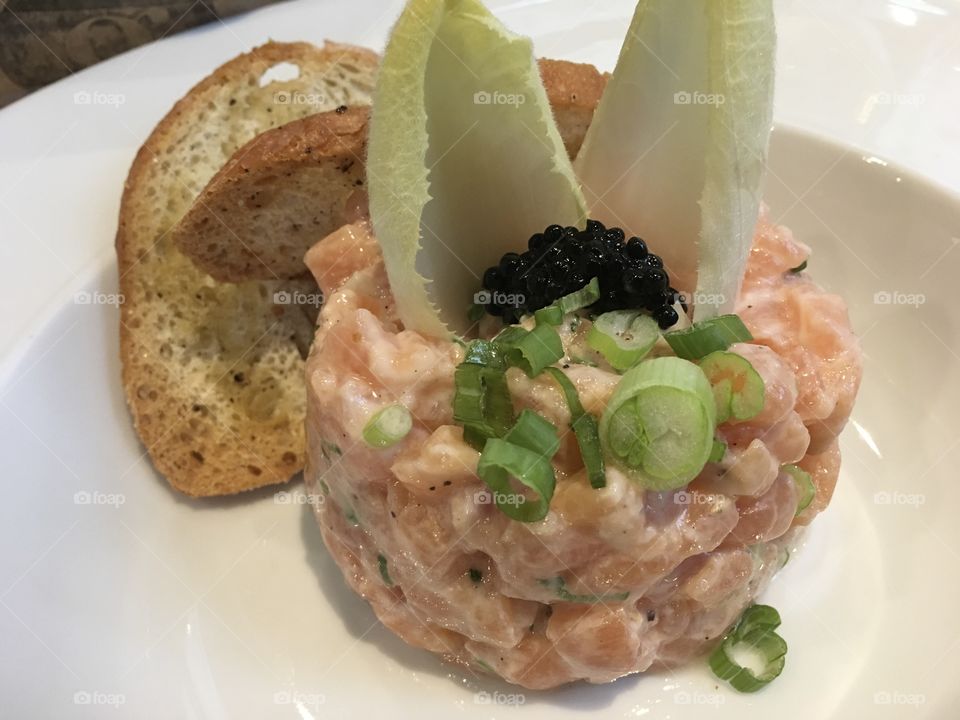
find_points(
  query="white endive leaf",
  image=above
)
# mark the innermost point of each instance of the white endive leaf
(676, 150)
(465, 161)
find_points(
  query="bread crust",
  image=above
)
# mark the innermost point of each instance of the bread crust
(196, 429)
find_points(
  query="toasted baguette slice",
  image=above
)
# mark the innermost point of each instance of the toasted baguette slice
(213, 373)
(277, 195)
(290, 187)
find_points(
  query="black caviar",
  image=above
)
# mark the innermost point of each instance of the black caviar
(561, 260)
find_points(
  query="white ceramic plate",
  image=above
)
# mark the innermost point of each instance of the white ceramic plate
(119, 598)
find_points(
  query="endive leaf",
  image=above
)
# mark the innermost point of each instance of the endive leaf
(465, 161)
(678, 144)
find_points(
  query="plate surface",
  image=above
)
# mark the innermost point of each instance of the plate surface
(119, 598)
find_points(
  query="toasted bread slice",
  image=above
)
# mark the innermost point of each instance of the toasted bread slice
(277, 195)
(213, 373)
(290, 187)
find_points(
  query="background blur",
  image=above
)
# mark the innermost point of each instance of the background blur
(44, 40)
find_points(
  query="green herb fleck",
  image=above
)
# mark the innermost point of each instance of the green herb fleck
(559, 586)
(384, 573)
(328, 448)
(799, 268)
(476, 575)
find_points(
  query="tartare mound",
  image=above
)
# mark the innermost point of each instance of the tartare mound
(614, 580)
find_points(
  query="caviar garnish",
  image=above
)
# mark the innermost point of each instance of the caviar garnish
(561, 260)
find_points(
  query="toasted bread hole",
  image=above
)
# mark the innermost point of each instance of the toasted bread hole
(289, 458)
(254, 470)
(281, 72)
(197, 456)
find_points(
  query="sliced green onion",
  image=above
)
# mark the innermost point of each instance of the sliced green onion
(623, 337)
(531, 350)
(754, 633)
(500, 461)
(485, 352)
(718, 451)
(551, 315)
(475, 313)
(799, 268)
(481, 400)
(388, 426)
(524, 454)
(535, 433)
(737, 388)
(758, 617)
(703, 338)
(384, 572)
(559, 586)
(585, 429)
(579, 299)
(660, 422)
(484, 666)
(805, 487)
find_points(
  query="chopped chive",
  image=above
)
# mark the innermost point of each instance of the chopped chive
(384, 572)
(531, 350)
(559, 586)
(703, 338)
(584, 426)
(524, 454)
(481, 400)
(579, 299)
(551, 315)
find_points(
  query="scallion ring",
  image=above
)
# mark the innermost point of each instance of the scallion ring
(753, 634)
(806, 490)
(659, 423)
(737, 387)
(623, 337)
(388, 426)
(703, 338)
